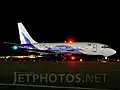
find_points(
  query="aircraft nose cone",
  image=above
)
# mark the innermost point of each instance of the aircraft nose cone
(108, 52)
(113, 51)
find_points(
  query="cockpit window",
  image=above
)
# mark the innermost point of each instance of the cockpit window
(105, 46)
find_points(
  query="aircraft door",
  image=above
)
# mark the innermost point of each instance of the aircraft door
(94, 47)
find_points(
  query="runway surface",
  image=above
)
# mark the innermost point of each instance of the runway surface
(88, 71)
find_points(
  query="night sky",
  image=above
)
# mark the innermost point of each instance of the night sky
(56, 24)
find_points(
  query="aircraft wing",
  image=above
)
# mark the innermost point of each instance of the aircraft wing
(57, 49)
(25, 47)
(28, 47)
(9, 43)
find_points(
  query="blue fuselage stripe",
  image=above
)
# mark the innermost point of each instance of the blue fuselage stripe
(28, 42)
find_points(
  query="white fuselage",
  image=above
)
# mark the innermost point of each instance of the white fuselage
(84, 47)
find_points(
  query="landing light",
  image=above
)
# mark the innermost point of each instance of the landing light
(105, 57)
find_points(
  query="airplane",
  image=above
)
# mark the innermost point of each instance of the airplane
(87, 48)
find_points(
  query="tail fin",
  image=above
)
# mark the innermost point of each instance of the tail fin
(25, 38)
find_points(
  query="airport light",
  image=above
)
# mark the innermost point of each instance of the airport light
(118, 60)
(73, 58)
(81, 60)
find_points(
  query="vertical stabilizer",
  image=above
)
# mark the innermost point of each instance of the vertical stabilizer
(25, 38)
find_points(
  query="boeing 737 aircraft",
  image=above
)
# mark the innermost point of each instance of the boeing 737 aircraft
(71, 48)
